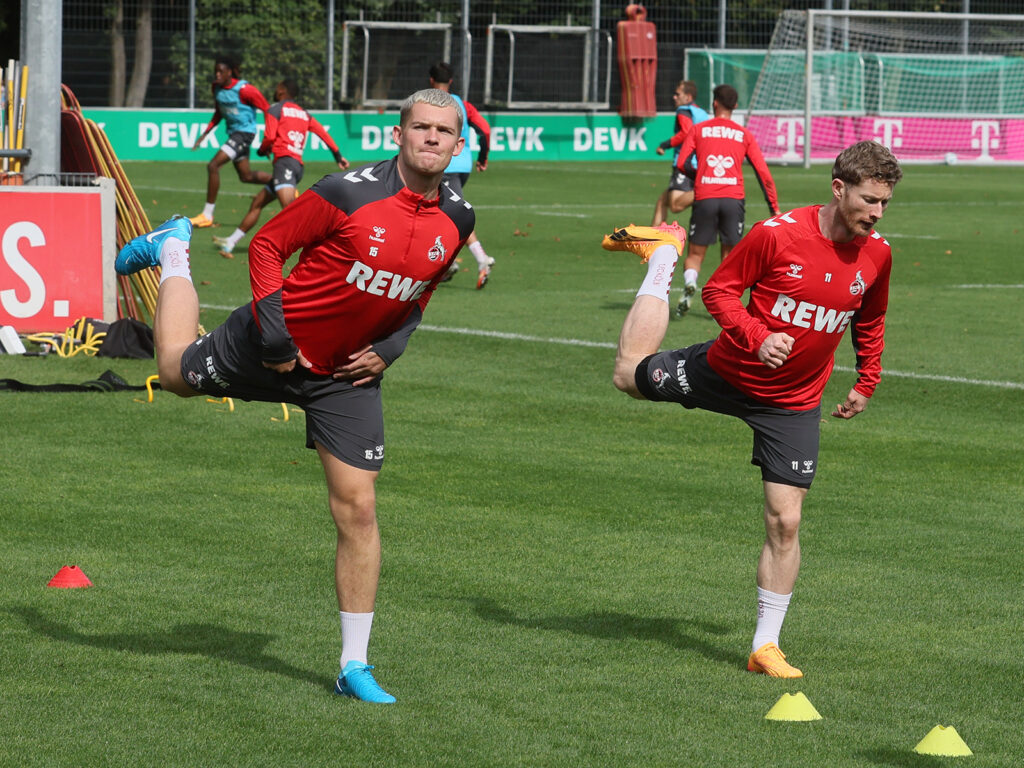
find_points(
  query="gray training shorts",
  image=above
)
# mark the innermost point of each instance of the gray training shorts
(237, 146)
(785, 441)
(680, 182)
(287, 173)
(348, 421)
(717, 217)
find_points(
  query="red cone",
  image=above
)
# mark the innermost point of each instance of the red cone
(68, 577)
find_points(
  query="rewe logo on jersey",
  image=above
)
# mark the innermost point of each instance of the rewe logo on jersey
(803, 314)
(722, 132)
(380, 282)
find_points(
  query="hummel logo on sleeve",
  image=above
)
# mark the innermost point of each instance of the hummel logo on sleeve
(366, 174)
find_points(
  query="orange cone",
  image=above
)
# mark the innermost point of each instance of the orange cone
(69, 577)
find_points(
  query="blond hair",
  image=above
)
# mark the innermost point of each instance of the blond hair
(435, 98)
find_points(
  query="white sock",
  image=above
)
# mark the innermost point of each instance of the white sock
(174, 259)
(659, 273)
(355, 636)
(771, 612)
(690, 276)
(208, 210)
(477, 249)
(232, 240)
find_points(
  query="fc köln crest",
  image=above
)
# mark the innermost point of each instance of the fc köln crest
(857, 287)
(437, 251)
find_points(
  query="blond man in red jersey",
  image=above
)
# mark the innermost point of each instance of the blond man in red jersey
(372, 246)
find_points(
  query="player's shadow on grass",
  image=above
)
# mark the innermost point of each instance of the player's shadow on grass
(216, 642)
(611, 625)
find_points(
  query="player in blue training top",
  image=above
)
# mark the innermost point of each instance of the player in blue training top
(236, 103)
(457, 173)
(679, 195)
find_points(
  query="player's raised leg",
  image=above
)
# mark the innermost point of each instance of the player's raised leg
(176, 319)
(647, 321)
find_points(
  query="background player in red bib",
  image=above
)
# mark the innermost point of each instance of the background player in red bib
(812, 273)
(236, 103)
(287, 128)
(374, 243)
(721, 146)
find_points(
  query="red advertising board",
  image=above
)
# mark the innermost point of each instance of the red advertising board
(56, 256)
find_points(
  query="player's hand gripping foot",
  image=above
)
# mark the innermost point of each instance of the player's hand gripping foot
(201, 220)
(644, 240)
(357, 682)
(684, 303)
(144, 250)
(223, 248)
(485, 274)
(769, 660)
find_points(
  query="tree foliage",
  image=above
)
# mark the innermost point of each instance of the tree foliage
(272, 42)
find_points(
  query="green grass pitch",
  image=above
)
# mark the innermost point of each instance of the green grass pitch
(568, 574)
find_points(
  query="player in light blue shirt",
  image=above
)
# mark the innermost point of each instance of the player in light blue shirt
(679, 195)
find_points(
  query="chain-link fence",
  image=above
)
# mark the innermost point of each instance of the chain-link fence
(160, 53)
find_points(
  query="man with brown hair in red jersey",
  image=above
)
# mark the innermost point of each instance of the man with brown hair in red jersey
(374, 244)
(721, 145)
(811, 272)
(287, 127)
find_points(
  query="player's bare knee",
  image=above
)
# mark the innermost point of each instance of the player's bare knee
(624, 377)
(171, 381)
(783, 525)
(354, 513)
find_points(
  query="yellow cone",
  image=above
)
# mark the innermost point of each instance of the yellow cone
(944, 741)
(793, 706)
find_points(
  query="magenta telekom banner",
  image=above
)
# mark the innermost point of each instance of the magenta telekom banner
(974, 139)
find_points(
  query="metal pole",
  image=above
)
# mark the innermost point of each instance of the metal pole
(721, 22)
(846, 27)
(809, 90)
(191, 54)
(596, 58)
(464, 50)
(966, 46)
(966, 28)
(329, 96)
(41, 39)
(828, 27)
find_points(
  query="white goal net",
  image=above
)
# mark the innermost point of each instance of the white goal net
(933, 87)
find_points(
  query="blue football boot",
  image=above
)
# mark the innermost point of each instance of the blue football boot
(144, 250)
(357, 682)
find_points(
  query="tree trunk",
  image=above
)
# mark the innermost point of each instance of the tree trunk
(143, 63)
(115, 96)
